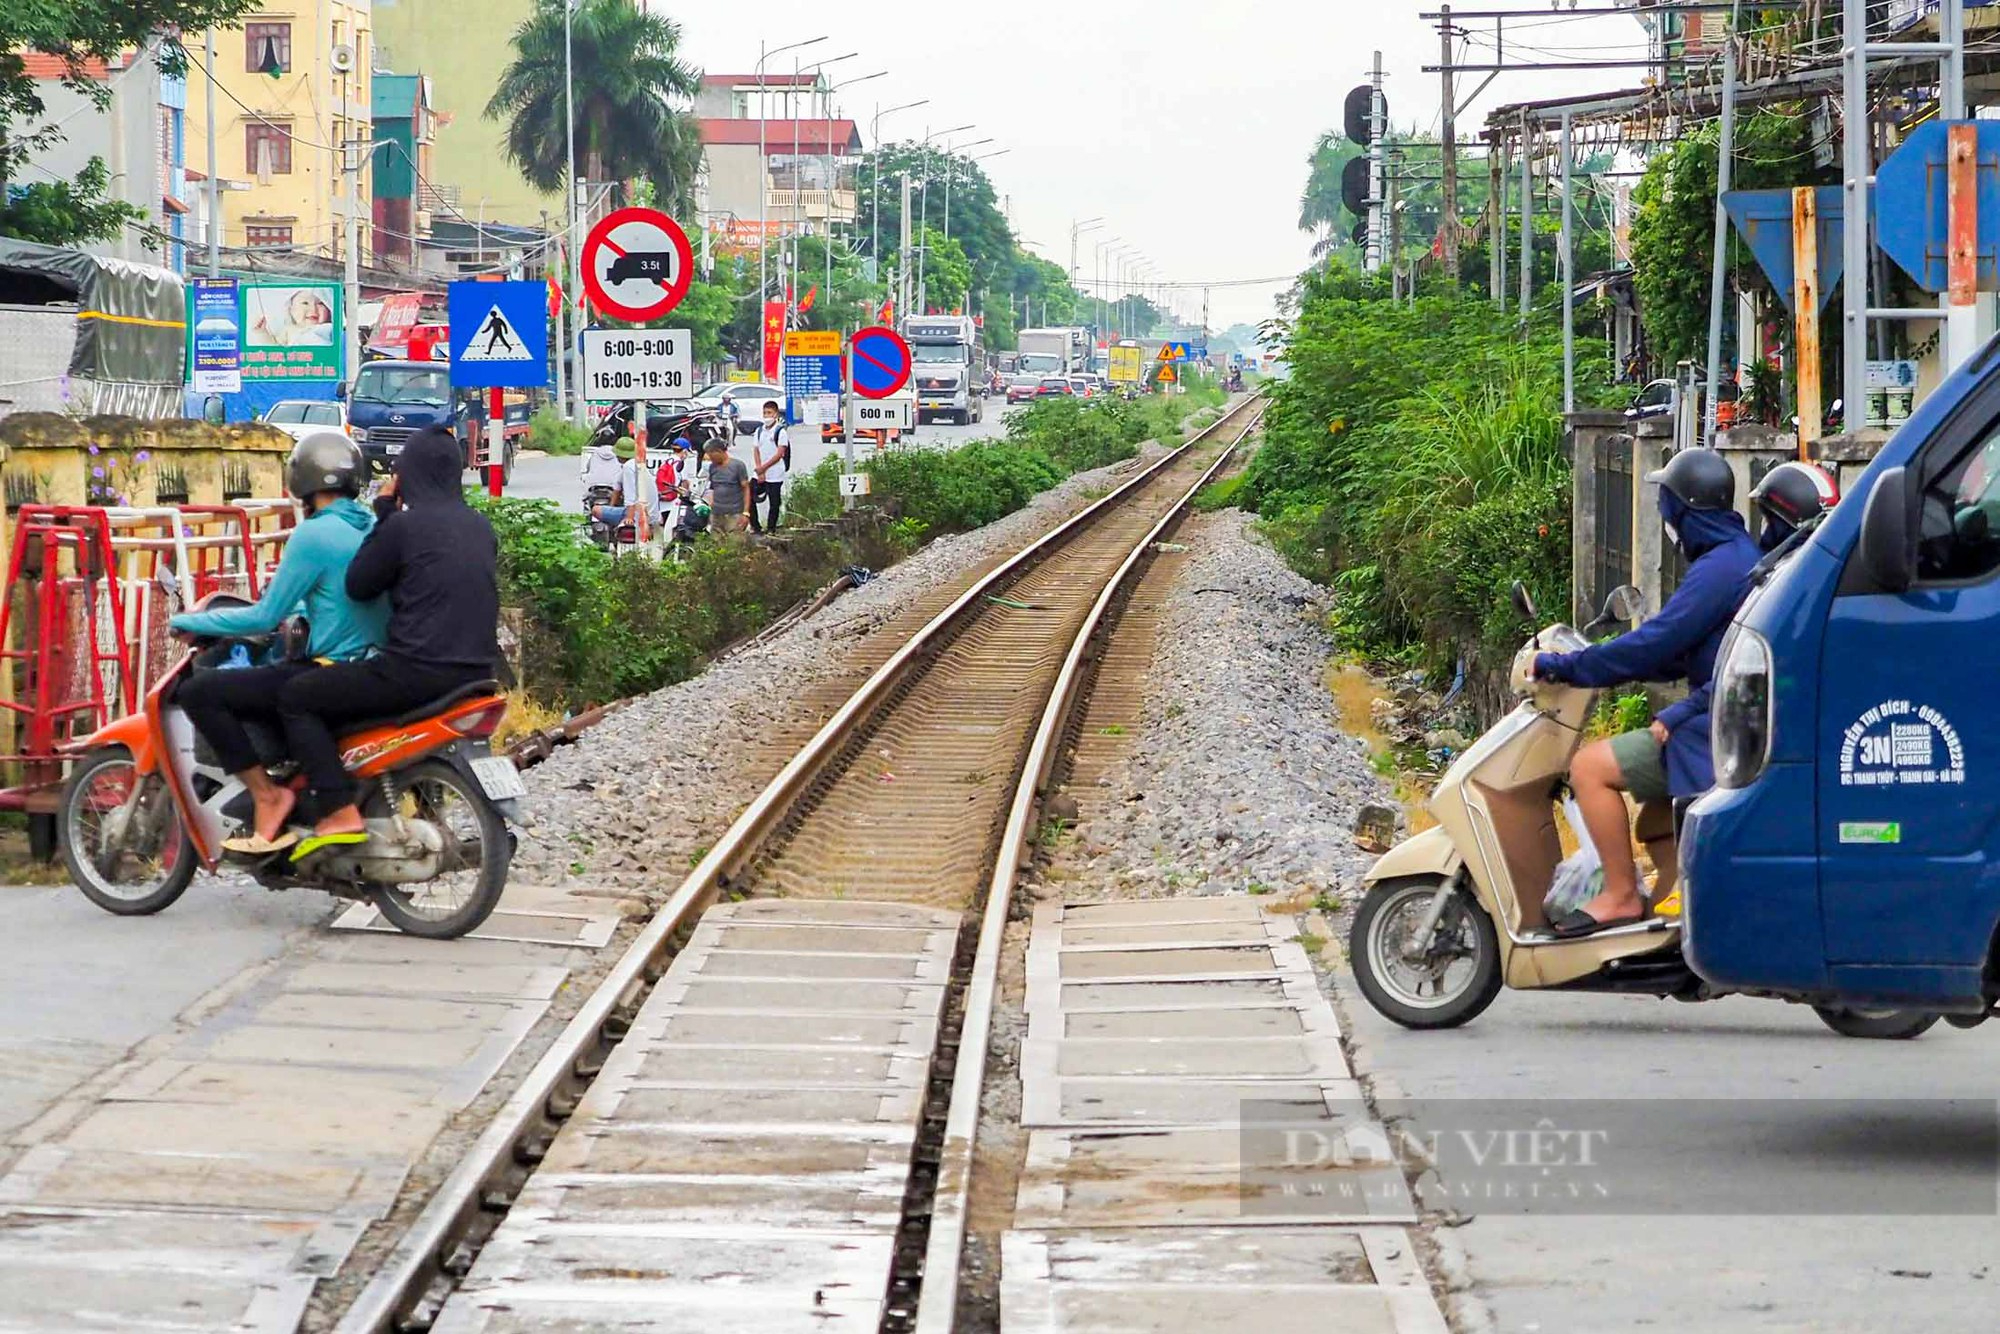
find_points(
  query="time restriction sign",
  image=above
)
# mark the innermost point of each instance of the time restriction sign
(637, 363)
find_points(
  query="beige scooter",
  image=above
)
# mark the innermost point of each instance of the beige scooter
(1454, 912)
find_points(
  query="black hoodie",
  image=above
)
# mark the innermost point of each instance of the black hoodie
(436, 558)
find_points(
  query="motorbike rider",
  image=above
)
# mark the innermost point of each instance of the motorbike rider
(434, 560)
(1791, 495)
(325, 472)
(1670, 758)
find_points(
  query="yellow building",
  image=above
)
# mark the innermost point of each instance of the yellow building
(292, 84)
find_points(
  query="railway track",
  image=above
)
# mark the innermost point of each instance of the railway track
(774, 1095)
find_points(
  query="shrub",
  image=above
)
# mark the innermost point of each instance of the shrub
(548, 431)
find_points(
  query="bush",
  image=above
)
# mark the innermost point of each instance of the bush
(549, 432)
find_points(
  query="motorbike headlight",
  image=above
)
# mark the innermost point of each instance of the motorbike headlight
(1740, 727)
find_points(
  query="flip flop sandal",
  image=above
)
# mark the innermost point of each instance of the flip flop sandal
(256, 845)
(320, 842)
(1578, 923)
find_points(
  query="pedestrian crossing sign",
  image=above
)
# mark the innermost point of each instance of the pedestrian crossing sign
(499, 335)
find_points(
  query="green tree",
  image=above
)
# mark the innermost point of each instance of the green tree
(947, 274)
(80, 33)
(631, 90)
(1322, 213)
(67, 212)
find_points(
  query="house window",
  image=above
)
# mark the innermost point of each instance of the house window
(267, 147)
(264, 41)
(267, 233)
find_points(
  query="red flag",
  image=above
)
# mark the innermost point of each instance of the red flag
(806, 301)
(886, 315)
(774, 336)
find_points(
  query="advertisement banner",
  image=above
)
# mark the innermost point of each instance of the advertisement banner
(215, 337)
(774, 337)
(393, 327)
(291, 331)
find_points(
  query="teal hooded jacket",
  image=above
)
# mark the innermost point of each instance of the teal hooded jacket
(311, 577)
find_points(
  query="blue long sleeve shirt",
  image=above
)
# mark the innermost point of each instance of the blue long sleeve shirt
(311, 577)
(1680, 642)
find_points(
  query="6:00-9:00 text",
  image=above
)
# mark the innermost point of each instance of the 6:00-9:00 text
(638, 347)
(637, 380)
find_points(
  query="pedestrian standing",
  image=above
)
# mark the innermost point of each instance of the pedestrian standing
(728, 491)
(771, 455)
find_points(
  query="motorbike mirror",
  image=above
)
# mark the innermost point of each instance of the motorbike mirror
(1523, 602)
(1623, 604)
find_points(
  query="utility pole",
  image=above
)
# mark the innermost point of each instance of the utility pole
(903, 254)
(1527, 219)
(1496, 223)
(1448, 142)
(214, 185)
(1568, 278)
(1718, 263)
(571, 250)
(1372, 255)
(351, 292)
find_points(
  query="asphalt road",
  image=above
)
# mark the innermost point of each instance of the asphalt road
(1771, 1176)
(547, 478)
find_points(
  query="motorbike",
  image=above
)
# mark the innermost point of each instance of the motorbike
(607, 535)
(690, 522)
(702, 426)
(1455, 912)
(146, 805)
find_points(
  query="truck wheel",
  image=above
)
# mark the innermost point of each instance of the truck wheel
(1449, 982)
(1892, 1025)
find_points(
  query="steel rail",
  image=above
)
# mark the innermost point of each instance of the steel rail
(414, 1281)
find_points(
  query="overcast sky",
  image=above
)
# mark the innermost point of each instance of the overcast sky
(1185, 124)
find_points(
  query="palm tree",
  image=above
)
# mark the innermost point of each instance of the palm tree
(1320, 209)
(631, 90)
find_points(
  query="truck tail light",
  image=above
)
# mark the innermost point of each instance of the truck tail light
(1740, 731)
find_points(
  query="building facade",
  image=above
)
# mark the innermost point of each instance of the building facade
(290, 88)
(405, 131)
(776, 159)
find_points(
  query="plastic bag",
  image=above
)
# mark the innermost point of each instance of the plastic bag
(1581, 874)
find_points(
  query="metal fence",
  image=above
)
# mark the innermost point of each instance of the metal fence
(1612, 540)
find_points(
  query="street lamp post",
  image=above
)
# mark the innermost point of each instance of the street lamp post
(1077, 229)
(763, 157)
(875, 133)
(1098, 305)
(950, 171)
(798, 177)
(924, 214)
(826, 242)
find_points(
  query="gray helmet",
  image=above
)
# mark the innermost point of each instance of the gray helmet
(325, 461)
(1700, 478)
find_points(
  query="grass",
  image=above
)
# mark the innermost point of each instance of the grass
(525, 715)
(1354, 696)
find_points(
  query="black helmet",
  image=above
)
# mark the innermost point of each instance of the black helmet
(1700, 479)
(1794, 492)
(325, 461)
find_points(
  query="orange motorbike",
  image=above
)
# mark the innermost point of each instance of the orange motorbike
(146, 806)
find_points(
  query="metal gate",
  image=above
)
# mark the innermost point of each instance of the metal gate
(1613, 538)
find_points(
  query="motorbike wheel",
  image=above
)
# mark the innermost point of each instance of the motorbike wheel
(1891, 1025)
(1443, 992)
(476, 856)
(160, 852)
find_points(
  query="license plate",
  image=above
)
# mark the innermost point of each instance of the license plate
(497, 774)
(396, 448)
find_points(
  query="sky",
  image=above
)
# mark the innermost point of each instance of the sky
(1184, 124)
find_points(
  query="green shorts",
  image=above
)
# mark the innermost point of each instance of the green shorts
(1642, 764)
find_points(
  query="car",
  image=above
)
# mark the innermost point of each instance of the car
(299, 417)
(749, 395)
(1055, 386)
(1022, 388)
(1083, 386)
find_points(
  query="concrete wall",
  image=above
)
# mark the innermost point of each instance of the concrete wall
(733, 171)
(126, 135)
(57, 460)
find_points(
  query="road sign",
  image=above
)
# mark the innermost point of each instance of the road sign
(1199, 352)
(880, 414)
(637, 363)
(854, 484)
(1127, 365)
(812, 343)
(809, 378)
(1764, 217)
(816, 409)
(499, 335)
(637, 264)
(881, 362)
(1167, 373)
(1173, 352)
(1910, 204)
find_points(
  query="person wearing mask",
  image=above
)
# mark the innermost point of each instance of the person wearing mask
(771, 456)
(1670, 758)
(1791, 496)
(728, 491)
(434, 559)
(324, 474)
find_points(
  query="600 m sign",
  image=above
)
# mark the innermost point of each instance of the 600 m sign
(636, 363)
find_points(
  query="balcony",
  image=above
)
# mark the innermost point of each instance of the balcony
(815, 205)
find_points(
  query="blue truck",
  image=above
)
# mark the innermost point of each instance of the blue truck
(1850, 853)
(391, 401)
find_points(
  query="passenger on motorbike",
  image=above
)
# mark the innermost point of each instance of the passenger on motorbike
(1791, 496)
(434, 560)
(1697, 492)
(325, 473)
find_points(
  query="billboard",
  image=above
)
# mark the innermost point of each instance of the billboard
(215, 336)
(1127, 365)
(291, 331)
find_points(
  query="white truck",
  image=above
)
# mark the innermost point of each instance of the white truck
(1053, 351)
(947, 363)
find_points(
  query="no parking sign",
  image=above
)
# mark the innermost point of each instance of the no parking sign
(880, 362)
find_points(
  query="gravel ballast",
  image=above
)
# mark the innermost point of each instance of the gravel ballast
(636, 800)
(1240, 779)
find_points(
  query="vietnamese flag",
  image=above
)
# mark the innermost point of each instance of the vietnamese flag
(887, 315)
(806, 301)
